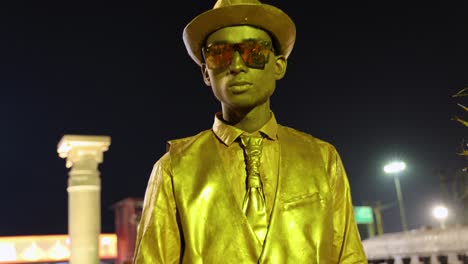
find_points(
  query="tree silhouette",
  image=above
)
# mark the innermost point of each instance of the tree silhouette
(461, 177)
(462, 93)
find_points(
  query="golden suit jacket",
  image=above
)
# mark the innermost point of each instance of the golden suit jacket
(190, 214)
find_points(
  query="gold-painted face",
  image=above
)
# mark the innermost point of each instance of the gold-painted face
(238, 86)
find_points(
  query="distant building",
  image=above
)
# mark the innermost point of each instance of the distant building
(50, 249)
(127, 217)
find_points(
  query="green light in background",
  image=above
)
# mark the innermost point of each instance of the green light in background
(363, 214)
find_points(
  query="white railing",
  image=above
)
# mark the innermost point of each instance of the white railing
(447, 246)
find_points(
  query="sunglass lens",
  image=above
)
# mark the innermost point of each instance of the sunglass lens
(218, 56)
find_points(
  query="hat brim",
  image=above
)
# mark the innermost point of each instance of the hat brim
(263, 16)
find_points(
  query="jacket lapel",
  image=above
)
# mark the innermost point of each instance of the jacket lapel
(297, 187)
(210, 210)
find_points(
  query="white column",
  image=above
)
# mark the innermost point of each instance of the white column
(83, 155)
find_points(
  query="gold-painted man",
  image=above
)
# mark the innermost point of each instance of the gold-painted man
(248, 190)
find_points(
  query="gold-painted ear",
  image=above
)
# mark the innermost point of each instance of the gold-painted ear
(280, 66)
(206, 76)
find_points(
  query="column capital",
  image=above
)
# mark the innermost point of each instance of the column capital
(77, 147)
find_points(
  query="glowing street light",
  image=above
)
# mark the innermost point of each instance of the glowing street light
(440, 213)
(394, 168)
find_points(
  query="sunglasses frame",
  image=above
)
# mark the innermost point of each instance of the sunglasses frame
(250, 55)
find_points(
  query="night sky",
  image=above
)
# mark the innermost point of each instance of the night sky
(374, 78)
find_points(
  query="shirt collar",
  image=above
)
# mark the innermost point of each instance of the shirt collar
(228, 134)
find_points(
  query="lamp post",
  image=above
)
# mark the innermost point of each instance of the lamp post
(440, 213)
(394, 168)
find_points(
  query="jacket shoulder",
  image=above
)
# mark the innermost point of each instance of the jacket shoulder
(183, 143)
(307, 138)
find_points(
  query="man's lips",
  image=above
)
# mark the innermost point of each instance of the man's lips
(239, 87)
(234, 83)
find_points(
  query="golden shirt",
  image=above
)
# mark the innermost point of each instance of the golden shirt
(192, 211)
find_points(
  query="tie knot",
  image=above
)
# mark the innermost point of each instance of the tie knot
(251, 143)
(253, 152)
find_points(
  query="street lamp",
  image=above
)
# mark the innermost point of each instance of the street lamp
(440, 213)
(394, 168)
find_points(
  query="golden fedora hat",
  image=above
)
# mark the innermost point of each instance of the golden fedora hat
(239, 12)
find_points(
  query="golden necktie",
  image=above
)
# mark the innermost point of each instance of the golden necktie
(254, 205)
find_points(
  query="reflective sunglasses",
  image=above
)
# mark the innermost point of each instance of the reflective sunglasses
(254, 53)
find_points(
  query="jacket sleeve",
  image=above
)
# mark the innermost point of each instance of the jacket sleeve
(158, 237)
(346, 242)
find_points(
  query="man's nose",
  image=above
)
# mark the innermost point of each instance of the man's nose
(237, 63)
